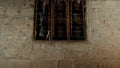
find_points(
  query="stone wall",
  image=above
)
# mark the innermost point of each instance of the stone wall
(19, 50)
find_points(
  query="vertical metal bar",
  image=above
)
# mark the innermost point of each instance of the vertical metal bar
(68, 19)
(52, 20)
(49, 20)
(71, 18)
(35, 19)
(84, 19)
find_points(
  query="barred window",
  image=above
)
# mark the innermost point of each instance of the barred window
(60, 20)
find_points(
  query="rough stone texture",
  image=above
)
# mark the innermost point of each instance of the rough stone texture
(19, 3)
(6, 3)
(15, 64)
(65, 64)
(19, 50)
(44, 64)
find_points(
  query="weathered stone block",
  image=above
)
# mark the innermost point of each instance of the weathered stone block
(44, 64)
(2, 10)
(12, 12)
(19, 3)
(6, 3)
(47, 51)
(65, 64)
(27, 12)
(15, 64)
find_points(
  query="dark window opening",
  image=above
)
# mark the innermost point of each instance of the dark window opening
(60, 20)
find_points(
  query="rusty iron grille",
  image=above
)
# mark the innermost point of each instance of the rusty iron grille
(60, 20)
